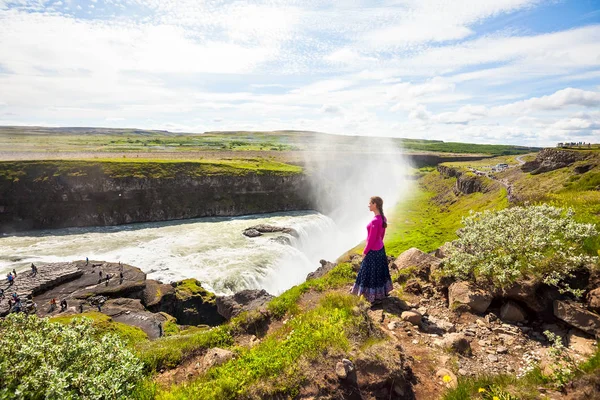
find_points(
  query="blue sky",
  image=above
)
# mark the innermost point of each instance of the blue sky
(504, 71)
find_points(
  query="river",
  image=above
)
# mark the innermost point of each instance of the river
(212, 250)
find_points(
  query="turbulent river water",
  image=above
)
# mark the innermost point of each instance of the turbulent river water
(212, 250)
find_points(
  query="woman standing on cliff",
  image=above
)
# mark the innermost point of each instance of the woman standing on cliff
(373, 280)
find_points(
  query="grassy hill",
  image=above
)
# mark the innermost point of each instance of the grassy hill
(105, 140)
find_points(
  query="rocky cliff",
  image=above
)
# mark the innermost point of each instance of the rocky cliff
(550, 159)
(38, 195)
(466, 182)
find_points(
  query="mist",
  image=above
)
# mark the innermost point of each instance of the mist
(344, 177)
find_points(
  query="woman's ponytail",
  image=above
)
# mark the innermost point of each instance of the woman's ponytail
(379, 203)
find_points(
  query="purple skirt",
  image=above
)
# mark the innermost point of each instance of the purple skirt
(373, 280)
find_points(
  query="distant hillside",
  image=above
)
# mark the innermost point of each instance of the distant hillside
(19, 138)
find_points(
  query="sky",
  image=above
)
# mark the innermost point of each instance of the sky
(523, 72)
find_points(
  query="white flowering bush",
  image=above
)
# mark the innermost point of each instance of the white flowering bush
(539, 242)
(44, 360)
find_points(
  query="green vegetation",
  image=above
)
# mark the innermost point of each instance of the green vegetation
(286, 303)
(430, 213)
(141, 168)
(274, 362)
(169, 351)
(193, 288)
(534, 242)
(104, 324)
(40, 359)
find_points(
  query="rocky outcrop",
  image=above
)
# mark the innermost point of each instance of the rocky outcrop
(512, 312)
(246, 300)
(325, 267)
(40, 195)
(463, 295)
(120, 291)
(593, 300)
(550, 159)
(466, 182)
(258, 230)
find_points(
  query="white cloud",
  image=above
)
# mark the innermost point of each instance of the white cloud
(559, 100)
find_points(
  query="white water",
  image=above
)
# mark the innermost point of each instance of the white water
(212, 250)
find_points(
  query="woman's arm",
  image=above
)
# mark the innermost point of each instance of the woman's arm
(374, 233)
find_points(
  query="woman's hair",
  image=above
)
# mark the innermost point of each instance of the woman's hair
(379, 203)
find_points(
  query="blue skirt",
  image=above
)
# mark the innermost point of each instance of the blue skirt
(373, 280)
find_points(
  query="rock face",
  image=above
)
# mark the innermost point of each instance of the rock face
(216, 356)
(193, 304)
(593, 300)
(538, 297)
(91, 194)
(465, 182)
(246, 300)
(465, 295)
(551, 159)
(325, 267)
(422, 263)
(577, 316)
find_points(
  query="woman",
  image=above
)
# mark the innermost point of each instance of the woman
(373, 280)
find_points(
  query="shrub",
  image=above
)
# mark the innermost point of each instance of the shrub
(541, 242)
(40, 359)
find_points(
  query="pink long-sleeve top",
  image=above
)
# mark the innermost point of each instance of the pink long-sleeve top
(375, 234)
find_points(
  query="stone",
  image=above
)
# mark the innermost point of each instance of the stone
(538, 297)
(575, 315)
(492, 358)
(482, 323)
(447, 378)
(246, 300)
(512, 312)
(411, 316)
(501, 350)
(456, 342)
(215, 357)
(325, 267)
(580, 343)
(340, 370)
(438, 325)
(393, 325)
(593, 300)
(463, 372)
(262, 228)
(422, 263)
(463, 294)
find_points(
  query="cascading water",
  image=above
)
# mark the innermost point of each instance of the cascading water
(212, 250)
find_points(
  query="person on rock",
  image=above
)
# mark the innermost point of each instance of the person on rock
(10, 279)
(14, 272)
(373, 280)
(63, 305)
(53, 304)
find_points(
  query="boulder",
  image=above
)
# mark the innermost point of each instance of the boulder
(593, 300)
(250, 232)
(246, 300)
(447, 378)
(344, 368)
(581, 343)
(512, 312)
(575, 315)
(411, 316)
(457, 342)
(537, 296)
(465, 295)
(422, 263)
(215, 357)
(325, 267)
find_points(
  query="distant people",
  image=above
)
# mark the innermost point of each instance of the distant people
(34, 269)
(10, 279)
(373, 280)
(81, 308)
(1, 294)
(87, 261)
(99, 307)
(63, 305)
(53, 304)
(15, 272)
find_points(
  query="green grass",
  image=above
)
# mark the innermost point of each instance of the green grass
(287, 302)
(274, 363)
(169, 351)
(431, 213)
(505, 387)
(141, 168)
(192, 288)
(104, 324)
